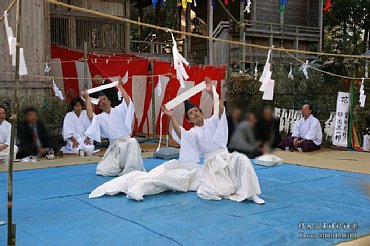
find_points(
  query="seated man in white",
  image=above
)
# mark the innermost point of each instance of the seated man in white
(5, 131)
(75, 125)
(306, 133)
(123, 154)
(223, 175)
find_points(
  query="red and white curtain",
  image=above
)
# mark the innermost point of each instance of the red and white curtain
(68, 69)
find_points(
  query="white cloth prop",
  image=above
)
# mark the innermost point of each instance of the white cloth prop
(195, 3)
(362, 94)
(256, 71)
(95, 101)
(329, 126)
(122, 156)
(58, 93)
(178, 63)
(340, 137)
(161, 80)
(290, 74)
(171, 175)
(75, 126)
(248, 6)
(304, 69)
(268, 84)
(268, 160)
(12, 47)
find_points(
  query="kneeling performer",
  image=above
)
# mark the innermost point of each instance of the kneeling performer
(123, 154)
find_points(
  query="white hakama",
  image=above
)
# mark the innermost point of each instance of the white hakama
(75, 126)
(223, 175)
(171, 175)
(123, 154)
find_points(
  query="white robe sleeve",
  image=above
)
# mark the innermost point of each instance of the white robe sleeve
(295, 132)
(188, 146)
(221, 134)
(94, 132)
(68, 127)
(127, 112)
(314, 129)
(86, 120)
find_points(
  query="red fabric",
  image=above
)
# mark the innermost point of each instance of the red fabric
(327, 5)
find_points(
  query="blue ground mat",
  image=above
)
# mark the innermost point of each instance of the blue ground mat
(51, 207)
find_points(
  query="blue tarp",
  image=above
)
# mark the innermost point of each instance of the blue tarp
(51, 207)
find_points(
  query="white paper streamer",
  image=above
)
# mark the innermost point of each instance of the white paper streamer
(304, 69)
(362, 94)
(248, 7)
(329, 126)
(178, 63)
(58, 93)
(12, 47)
(47, 68)
(256, 71)
(268, 84)
(290, 74)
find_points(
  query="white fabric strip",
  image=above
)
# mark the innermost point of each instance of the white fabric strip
(95, 101)
(185, 96)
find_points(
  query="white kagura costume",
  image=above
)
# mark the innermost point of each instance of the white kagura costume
(123, 153)
(75, 126)
(223, 175)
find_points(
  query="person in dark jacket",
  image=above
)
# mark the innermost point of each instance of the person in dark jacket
(243, 140)
(32, 136)
(111, 93)
(233, 120)
(267, 129)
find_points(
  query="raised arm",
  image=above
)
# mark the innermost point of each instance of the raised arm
(126, 97)
(89, 108)
(170, 115)
(209, 90)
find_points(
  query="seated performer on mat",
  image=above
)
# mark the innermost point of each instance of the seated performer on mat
(306, 134)
(75, 125)
(224, 175)
(123, 153)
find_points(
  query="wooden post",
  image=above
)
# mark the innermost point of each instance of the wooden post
(321, 24)
(15, 107)
(187, 39)
(153, 100)
(210, 31)
(85, 65)
(127, 27)
(242, 36)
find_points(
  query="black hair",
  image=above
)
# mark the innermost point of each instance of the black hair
(186, 113)
(31, 109)
(1, 106)
(76, 100)
(246, 115)
(267, 107)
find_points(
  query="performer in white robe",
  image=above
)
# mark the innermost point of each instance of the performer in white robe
(5, 131)
(123, 154)
(75, 125)
(223, 175)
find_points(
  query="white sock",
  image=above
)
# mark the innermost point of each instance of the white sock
(256, 200)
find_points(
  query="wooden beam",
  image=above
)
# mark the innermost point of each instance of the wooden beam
(320, 23)
(242, 37)
(227, 11)
(127, 27)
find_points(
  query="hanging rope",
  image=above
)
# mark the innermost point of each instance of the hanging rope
(8, 9)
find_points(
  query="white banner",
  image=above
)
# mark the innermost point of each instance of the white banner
(340, 137)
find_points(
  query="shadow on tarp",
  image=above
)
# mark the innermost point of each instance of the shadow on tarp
(51, 207)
